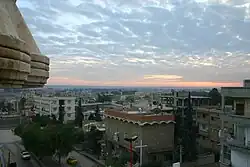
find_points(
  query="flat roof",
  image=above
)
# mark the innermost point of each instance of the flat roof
(140, 118)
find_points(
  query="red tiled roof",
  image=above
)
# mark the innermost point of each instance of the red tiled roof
(139, 117)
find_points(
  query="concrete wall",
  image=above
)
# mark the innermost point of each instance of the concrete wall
(203, 160)
(157, 137)
(247, 108)
(239, 159)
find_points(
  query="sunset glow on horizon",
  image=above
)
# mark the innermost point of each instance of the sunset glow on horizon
(158, 83)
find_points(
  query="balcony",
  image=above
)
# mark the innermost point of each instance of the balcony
(241, 120)
(239, 92)
(239, 145)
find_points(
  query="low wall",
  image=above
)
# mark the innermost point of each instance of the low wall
(205, 160)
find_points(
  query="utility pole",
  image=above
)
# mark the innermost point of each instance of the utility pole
(181, 154)
(18, 111)
(141, 151)
(50, 108)
(9, 159)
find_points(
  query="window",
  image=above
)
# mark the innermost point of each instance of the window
(212, 118)
(154, 158)
(203, 115)
(69, 108)
(68, 114)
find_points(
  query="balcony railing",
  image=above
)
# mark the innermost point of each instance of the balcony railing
(241, 120)
(238, 144)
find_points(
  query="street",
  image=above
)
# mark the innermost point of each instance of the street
(8, 140)
(17, 156)
(83, 161)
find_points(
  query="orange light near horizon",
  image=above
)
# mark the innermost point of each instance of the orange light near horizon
(77, 82)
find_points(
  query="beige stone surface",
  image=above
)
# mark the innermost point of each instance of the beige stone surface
(15, 55)
(39, 65)
(39, 58)
(7, 26)
(14, 65)
(13, 42)
(21, 61)
(39, 70)
(21, 27)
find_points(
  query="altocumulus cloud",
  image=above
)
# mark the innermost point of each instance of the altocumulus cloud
(142, 42)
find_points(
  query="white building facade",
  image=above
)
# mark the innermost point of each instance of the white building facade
(235, 147)
(52, 105)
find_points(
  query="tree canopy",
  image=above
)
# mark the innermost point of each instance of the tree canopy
(45, 137)
(215, 96)
(103, 98)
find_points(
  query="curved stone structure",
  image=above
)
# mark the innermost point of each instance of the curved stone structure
(39, 71)
(21, 62)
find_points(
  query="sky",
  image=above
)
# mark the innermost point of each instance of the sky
(182, 43)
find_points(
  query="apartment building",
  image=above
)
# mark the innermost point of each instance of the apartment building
(52, 105)
(206, 117)
(209, 122)
(180, 99)
(235, 147)
(155, 131)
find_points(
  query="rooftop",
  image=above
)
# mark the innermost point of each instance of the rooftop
(141, 118)
(240, 92)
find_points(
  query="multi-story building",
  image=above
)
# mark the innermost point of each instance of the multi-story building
(52, 106)
(206, 116)
(235, 147)
(155, 131)
(209, 122)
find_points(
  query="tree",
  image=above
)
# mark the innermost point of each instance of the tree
(130, 99)
(91, 117)
(215, 96)
(92, 139)
(9, 107)
(185, 133)
(97, 114)
(62, 140)
(18, 130)
(103, 98)
(41, 120)
(52, 139)
(2, 104)
(22, 103)
(79, 115)
(124, 158)
(61, 114)
(37, 140)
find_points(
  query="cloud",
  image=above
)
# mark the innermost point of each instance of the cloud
(137, 42)
(165, 77)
